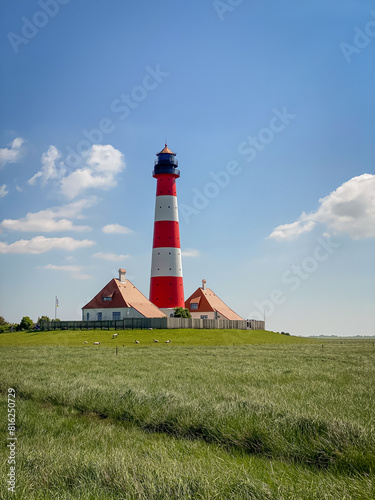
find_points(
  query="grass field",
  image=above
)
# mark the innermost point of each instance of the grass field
(282, 420)
(181, 337)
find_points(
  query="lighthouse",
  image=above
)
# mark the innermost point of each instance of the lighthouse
(166, 286)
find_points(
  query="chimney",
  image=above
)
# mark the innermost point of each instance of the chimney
(204, 284)
(121, 275)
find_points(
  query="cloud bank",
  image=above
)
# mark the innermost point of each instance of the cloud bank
(40, 244)
(102, 165)
(349, 209)
(13, 153)
(55, 219)
(110, 256)
(190, 252)
(116, 229)
(3, 191)
(50, 169)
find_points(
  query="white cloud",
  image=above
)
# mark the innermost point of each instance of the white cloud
(53, 219)
(294, 229)
(74, 270)
(13, 153)
(103, 163)
(40, 244)
(81, 276)
(116, 229)
(53, 267)
(3, 191)
(50, 169)
(349, 209)
(110, 256)
(190, 252)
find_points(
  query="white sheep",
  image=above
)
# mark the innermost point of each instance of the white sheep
(156, 340)
(168, 341)
(96, 343)
(85, 342)
(137, 341)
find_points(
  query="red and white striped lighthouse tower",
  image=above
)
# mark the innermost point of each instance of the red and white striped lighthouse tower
(166, 287)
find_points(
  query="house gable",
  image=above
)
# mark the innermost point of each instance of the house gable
(123, 294)
(208, 301)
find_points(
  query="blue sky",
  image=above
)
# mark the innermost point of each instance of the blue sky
(270, 108)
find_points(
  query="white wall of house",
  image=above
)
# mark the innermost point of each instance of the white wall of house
(208, 315)
(168, 311)
(107, 313)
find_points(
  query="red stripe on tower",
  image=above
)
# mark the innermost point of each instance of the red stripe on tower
(166, 287)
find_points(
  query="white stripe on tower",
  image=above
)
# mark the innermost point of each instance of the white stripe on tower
(166, 262)
(166, 208)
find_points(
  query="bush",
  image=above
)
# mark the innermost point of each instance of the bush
(43, 318)
(4, 325)
(26, 323)
(3, 322)
(180, 312)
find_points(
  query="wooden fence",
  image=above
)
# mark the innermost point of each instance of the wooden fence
(150, 323)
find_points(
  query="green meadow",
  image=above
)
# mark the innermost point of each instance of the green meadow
(180, 337)
(211, 415)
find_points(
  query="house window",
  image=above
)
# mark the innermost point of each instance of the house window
(203, 316)
(87, 316)
(194, 306)
(106, 299)
(116, 315)
(100, 315)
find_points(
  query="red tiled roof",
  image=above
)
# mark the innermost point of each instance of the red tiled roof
(124, 294)
(196, 300)
(208, 301)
